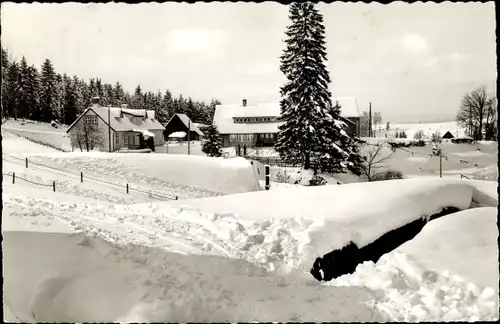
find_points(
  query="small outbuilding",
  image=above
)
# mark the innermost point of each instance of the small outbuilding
(182, 123)
(448, 135)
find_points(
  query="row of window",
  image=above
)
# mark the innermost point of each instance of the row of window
(241, 137)
(249, 137)
(255, 119)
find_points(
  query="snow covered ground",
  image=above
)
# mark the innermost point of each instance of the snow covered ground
(239, 257)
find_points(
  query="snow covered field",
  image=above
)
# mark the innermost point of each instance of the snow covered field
(427, 128)
(239, 257)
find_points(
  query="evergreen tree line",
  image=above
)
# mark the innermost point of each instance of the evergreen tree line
(45, 95)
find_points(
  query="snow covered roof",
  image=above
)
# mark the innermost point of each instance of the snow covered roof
(188, 123)
(145, 132)
(177, 135)
(200, 125)
(224, 114)
(120, 123)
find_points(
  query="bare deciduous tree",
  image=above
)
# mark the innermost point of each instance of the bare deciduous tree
(86, 135)
(375, 156)
(477, 112)
(419, 135)
(377, 119)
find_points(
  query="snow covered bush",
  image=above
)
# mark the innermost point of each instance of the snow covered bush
(387, 175)
(317, 181)
(283, 177)
(464, 140)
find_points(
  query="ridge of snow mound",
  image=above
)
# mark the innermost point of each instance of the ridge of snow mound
(289, 228)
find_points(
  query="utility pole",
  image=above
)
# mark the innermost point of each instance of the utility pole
(109, 127)
(189, 137)
(370, 122)
(440, 164)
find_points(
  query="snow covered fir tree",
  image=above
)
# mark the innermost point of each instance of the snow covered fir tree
(212, 145)
(312, 132)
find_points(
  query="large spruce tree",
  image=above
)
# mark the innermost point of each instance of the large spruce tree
(311, 131)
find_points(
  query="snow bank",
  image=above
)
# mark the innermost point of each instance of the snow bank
(410, 293)
(75, 279)
(449, 271)
(293, 226)
(464, 243)
(224, 176)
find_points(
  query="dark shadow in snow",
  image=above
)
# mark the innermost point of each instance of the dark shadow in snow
(345, 260)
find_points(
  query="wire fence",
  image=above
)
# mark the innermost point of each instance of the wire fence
(81, 176)
(14, 178)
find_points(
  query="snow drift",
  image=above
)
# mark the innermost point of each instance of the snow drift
(291, 227)
(76, 278)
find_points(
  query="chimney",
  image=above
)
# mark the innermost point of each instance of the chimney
(96, 101)
(244, 103)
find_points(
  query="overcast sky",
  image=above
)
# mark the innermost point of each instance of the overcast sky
(412, 61)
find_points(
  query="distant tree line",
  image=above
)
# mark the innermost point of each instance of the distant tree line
(45, 95)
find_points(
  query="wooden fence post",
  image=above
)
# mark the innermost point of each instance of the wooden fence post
(26, 162)
(13, 177)
(81, 176)
(268, 185)
(127, 187)
(176, 198)
(54, 186)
